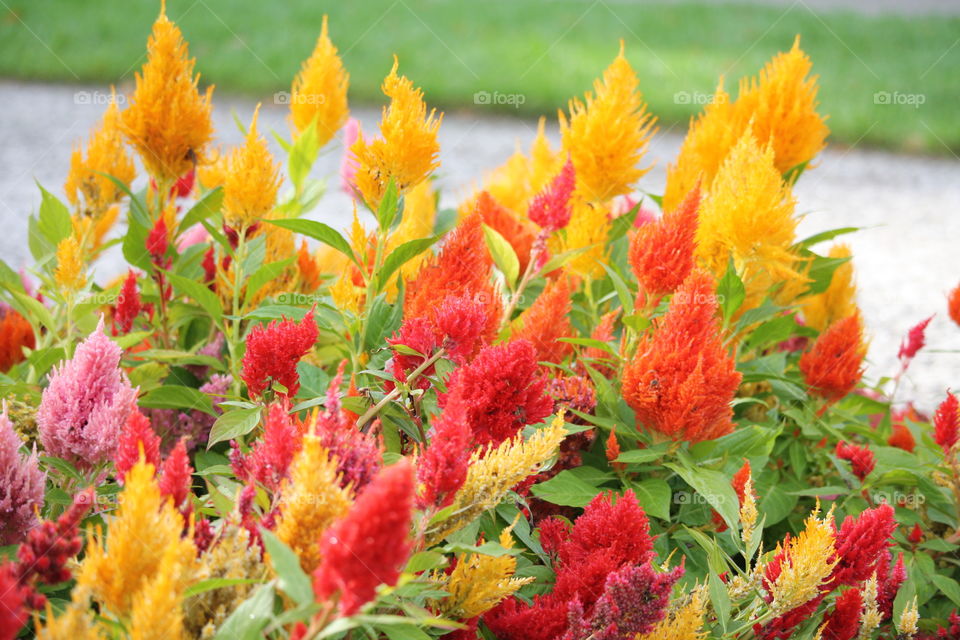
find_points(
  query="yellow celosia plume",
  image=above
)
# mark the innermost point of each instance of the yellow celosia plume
(607, 135)
(168, 121)
(69, 274)
(808, 560)
(492, 473)
(683, 623)
(146, 544)
(407, 149)
(319, 92)
(840, 298)
(157, 612)
(87, 189)
(587, 232)
(251, 182)
(310, 501)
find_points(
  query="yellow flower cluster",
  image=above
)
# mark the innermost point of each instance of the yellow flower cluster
(168, 121)
(319, 92)
(607, 135)
(683, 623)
(310, 501)
(87, 189)
(586, 234)
(407, 150)
(149, 563)
(492, 473)
(808, 560)
(840, 298)
(69, 274)
(251, 182)
(479, 582)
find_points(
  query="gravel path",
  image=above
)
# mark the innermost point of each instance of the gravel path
(906, 258)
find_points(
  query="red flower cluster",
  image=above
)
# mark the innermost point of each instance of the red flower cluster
(681, 381)
(834, 366)
(608, 537)
(462, 268)
(176, 477)
(501, 391)
(14, 599)
(860, 457)
(157, 242)
(661, 252)
(128, 305)
(442, 467)
(15, 334)
(915, 340)
(273, 353)
(946, 424)
(269, 460)
(844, 621)
(545, 322)
(518, 233)
(370, 545)
(551, 207)
(137, 438)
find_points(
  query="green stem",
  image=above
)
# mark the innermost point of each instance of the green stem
(395, 392)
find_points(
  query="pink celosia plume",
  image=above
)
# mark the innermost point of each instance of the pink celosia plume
(21, 485)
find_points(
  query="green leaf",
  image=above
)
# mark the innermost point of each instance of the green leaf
(654, 496)
(503, 255)
(215, 583)
(405, 632)
(400, 256)
(233, 424)
(250, 617)
(623, 291)
(730, 291)
(54, 221)
(303, 153)
(389, 205)
(263, 275)
(318, 231)
(715, 489)
(291, 578)
(640, 456)
(135, 243)
(35, 310)
(948, 587)
(720, 600)
(174, 396)
(821, 271)
(205, 207)
(200, 294)
(566, 489)
(823, 236)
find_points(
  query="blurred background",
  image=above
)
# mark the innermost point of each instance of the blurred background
(889, 74)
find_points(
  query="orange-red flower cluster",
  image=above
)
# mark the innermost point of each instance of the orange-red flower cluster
(551, 207)
(273, 353)
(681, 381)
(661, 252)
(15, 334)
(834, 366)
(546, 321)
(946, 423)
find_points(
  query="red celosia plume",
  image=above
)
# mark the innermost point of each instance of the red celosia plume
(914, 341)
(15, 334)
(551, 207)
(442, 467)
(273, 353)
(268, 461)
(946, 423)
(860, 458)
(136, 439)
(128, 305)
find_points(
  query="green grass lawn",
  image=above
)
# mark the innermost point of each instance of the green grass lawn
(544, 51)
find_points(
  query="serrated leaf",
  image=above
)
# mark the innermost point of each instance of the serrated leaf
(730, 291)
(566, 489)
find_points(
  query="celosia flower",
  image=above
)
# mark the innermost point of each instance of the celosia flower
(586, 235)
(501, 390)
(551, 207)
(520, 234)
(145, 540)
(22, 485)
(87, 186)
(69, 274)
(253, 178)
(168, 122)
(901, 436)
(840, 298)
(916, 534)
(748, 216)
(319, 92)
(348, 162)
(407, 149)
(685, 623)
(860, 457)
(493, 472)
(634, 600)
(86, 404)
(176, 477)
(801, 566)
(863, 545)
(15, 334)
(311, 499)
(953, 304)
(681, 380)
(782, 104)
(157, 607)
(128, 306)
(137, 441)
(946, 424)
(607, 537)
(442, 467)
(268, 462)
(45, 553)
(915, 340)
(158, 240)
(661, 252)
(889, 581)
(844, 621)
(273, 353)
(546, 321)
(479, 582)
(606, 137)
(370, 545)
(13, 602)
(834, 366)
(462, 268)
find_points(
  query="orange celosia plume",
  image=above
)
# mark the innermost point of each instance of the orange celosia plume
(834, 366)
(545, 321)
(682, 379)
(661, 252)
(15, 334)
(463, 267)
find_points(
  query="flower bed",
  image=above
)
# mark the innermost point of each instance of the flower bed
(551, 414)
